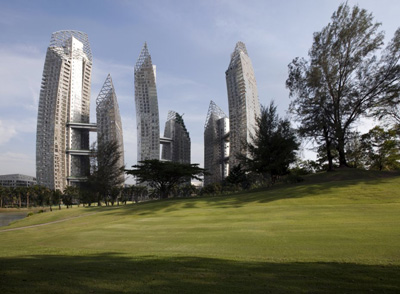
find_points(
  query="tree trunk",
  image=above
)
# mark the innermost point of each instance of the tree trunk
(328, 146)
(342, 153)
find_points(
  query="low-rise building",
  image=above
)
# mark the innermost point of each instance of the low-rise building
(17, 180)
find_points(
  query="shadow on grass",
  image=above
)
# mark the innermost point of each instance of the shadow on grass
(112, 273)
(313, 185)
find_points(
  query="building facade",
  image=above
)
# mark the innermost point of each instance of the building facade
(17, 180)
(244, 105)
(109, 125)
(176, 141)
(216, 145)
(147, 116)
(62, 141)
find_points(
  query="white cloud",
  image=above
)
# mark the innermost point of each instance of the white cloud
(6, 132)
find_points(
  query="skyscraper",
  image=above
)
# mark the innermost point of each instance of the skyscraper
(176, 139)
(109, 126)
(244, 105)
(216, 145)
(62, 141)
(147, 117)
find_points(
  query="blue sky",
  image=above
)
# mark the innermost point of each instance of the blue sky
(190, 42)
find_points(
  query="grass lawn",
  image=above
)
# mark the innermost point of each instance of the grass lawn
(334, 233)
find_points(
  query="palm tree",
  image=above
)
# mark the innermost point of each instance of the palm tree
(4, 195)
(28, 192)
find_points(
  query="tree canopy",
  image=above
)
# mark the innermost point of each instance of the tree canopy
(164, 175)
(273, 146)
(106, 170)
(381, 149)
(345, 77)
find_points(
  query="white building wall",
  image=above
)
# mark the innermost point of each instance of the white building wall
(64, 97)
(147, 115)
(244, 105)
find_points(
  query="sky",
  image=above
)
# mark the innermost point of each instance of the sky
(190, 42)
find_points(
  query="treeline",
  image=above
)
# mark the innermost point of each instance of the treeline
(40, 196)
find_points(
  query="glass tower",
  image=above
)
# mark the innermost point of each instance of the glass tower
(176, 141)
(216, 145)
(109, 125)
(147, 117)
(244, 106)
(64, 103)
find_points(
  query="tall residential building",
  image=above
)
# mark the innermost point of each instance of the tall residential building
(62, 140)
(109, 126)
(176, 141)
(147, 117)
(244, 106)
(216, 145)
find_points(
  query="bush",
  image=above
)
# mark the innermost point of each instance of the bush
(293, 178)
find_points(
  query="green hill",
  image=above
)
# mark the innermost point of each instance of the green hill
(335, 232)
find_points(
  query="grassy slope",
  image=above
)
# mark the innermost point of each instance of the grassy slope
(335, 232)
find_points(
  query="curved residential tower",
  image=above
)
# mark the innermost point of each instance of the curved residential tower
(109, 125)
(176, 140)
(64, 105)
(216, 145)
(147, 117)
(244, 105)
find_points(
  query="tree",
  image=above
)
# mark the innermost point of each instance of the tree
(28, 193)
(47, 197)
(106, 170)
(164, 175)
(138, 192)
(4, 196)
(381, 149)
(355, 152)
(56, 197)
(273, 147)
(114, 195)
(237, 177)
(343, 78)
(70, 193)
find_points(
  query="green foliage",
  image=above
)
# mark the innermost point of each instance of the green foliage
(293, 178)
(164, 176)
(355, 152)
(71, 193)
(273, 147)
(381, 149)
(238, 178)
(184, 190)
(305, 167)
(212, 189)
(56, 197)
(343, 79)
(106, 171)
